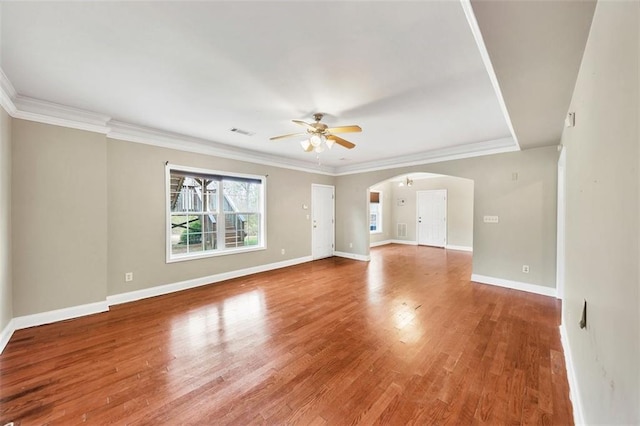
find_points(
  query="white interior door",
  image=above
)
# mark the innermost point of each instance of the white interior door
(432, 217)
(322, 223)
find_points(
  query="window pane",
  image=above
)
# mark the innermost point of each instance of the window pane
(241, 196)
(186, 234)
(209, 209)
(209, 232)
(186, 194)
(252, 228)
(210, 240)
(374, 211)
(196, 247)
(211, 196)
(179, 225)
(234, 225)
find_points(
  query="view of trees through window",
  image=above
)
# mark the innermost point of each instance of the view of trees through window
(213, 212)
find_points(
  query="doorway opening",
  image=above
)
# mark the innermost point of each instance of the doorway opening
(422, 209)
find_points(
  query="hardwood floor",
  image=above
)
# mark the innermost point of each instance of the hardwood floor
(405, 338)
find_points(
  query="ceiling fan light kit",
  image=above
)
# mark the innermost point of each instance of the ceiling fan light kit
(320, 135)
(317, 140)
(408, 182)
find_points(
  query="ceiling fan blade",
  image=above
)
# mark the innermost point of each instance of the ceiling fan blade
(341, 142)
(287, 136)
(345, 129)
(303, 124)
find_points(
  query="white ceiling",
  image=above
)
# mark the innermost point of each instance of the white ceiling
(536, 48)
(409, 73)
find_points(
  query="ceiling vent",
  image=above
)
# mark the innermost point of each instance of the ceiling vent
(242, 132)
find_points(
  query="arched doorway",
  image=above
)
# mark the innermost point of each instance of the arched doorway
(394, 209)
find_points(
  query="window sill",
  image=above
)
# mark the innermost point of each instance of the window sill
(375, 232)
(214, 254)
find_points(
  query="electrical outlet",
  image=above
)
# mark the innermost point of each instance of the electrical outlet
(350, 245)
(491, 219)
(282, 251)
(525, 269)
(128, 276)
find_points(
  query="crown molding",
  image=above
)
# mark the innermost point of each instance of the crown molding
(60, 115)
(7, 94)
(477, 149)
(145, 135)
(37, 110)
(31, 109)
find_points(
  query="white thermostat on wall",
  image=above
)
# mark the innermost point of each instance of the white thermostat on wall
(401, 201)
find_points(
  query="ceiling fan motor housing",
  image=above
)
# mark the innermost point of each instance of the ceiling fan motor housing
(321, 135)
(320, 128)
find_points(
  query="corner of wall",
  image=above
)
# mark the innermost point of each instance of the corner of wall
(5, 334)
(6, 269)
(574, 388)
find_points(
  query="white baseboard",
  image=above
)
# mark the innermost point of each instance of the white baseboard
(459, 248)
(353, 256)
(131, 296)
(380, 243)
(42, 318)
(415, 243)
(6, 334)
(574, 390)
(411, 243)
(48, 317)
(516, 285)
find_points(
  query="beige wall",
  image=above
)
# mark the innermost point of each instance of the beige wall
(459, 208)
(602, 184)
(90, 209)
(59, 217)
(526, 233)
(102, 184)
(6, 297)
(136, 206)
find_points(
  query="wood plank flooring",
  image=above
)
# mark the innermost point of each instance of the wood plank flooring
(403, 339)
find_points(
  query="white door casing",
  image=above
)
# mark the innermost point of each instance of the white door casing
(560, 254)
(431, 228)
(322, 221)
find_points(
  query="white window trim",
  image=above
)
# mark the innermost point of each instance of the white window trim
(380, 214)
(219, 252)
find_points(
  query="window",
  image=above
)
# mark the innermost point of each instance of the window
(375, 212)
(212, 213)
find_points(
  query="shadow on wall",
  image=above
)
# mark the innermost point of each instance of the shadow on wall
(422, 208)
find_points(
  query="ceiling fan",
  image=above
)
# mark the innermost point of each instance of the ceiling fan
(321, 135)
